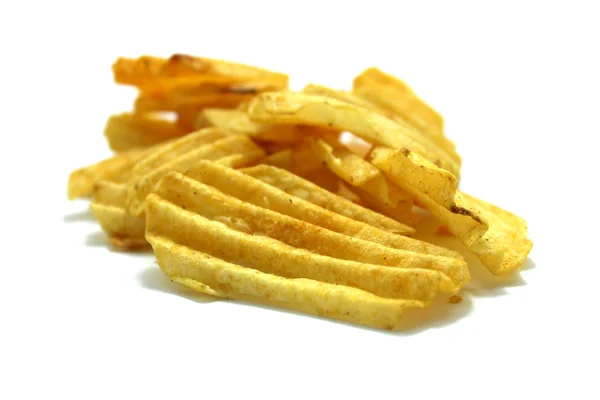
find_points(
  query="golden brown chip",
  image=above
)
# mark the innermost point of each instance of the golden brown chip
(128, 131)
(497, 237)
(147, 69)
(320, 111)
(244, 217)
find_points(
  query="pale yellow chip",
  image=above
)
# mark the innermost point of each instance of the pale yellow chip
(393, 95)
(244, 217)
(497, 237)
(254, 191)
(115, 169)
(395, 99)
(167, 220)
(108, 206)
(148, 174)
(321, 111)
(213, 276)
(128, 131)
(238, 122)
(369, 182)
(340, 95)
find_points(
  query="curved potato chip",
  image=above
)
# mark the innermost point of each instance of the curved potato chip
(213, 276)
(115, 169)
(398, 101)
(269, 255)
(370, 183)
(297, 108)
(128, 131)
(148, 174)
(108, 206)
(254, 191)
(244, 217)
(497, 237)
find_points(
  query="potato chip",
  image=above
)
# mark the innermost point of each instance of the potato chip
(497, 237)
(395, 98)
(238, 122)
(108, 206)
(369, 182)
(244, 217)
(213, 276)
(128, 131)
(147, 174)
(297, 108)
(147, 69)
(401, 100)
(254, 191)
(298, 187)
(271, 256)
(114, 169)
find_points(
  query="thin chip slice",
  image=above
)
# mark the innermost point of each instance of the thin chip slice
(108, 206)
(497, 237)
(300, 188)
(394, 98)
(177, 101)
(146, 69)
(271, 256)
(244, 217)
(238, 122)
(340, 95)
(213, 276)
(254, 191)
(142, 184)
(369, 182)
(390, 93)
(297, 108)
(115, 169)
(128, 131)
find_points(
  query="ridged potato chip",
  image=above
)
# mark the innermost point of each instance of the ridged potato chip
(497, 237)
(115, 169)
(214, 276)
(180, 156)
(108, 207)
(396, 99)
(244, 217)
(369, 182)
(321, 111)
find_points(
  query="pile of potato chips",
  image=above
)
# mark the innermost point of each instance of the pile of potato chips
(304, 200)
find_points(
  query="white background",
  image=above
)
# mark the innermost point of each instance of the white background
(518, 85)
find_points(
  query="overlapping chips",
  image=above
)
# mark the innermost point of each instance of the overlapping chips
(254, 192)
